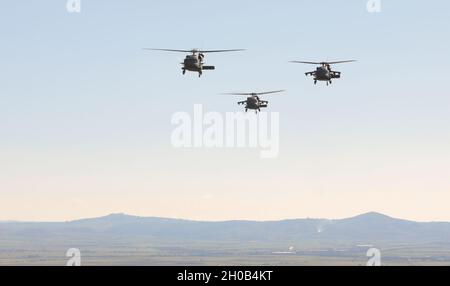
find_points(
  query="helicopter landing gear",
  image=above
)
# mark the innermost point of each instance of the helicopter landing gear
(184, 71)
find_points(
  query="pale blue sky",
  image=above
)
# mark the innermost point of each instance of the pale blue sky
(85, 112)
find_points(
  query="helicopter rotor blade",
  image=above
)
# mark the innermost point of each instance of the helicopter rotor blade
(322, 63)
(270, 92)
(169, 50)
(309, 63)
(221, 51)
(253, 93)
(194, 50)
(238, 93)
(340, 62)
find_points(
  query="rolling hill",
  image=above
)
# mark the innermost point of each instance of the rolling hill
(133, 236)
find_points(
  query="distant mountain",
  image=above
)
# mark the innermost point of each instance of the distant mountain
(370, 228)
(120, 239)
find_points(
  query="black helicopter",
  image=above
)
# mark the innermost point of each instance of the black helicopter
(324, 71)
(195, 61)
(253, 101)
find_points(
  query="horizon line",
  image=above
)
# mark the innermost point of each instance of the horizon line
(214, 221)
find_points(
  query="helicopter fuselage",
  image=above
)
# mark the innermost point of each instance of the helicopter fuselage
(324, 73)
(192, 63)
(254, 103)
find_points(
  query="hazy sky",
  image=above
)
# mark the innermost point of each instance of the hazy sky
(85, 113)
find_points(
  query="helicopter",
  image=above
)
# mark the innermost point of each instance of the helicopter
(253, 102)
(324, 71)
(195, 61)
